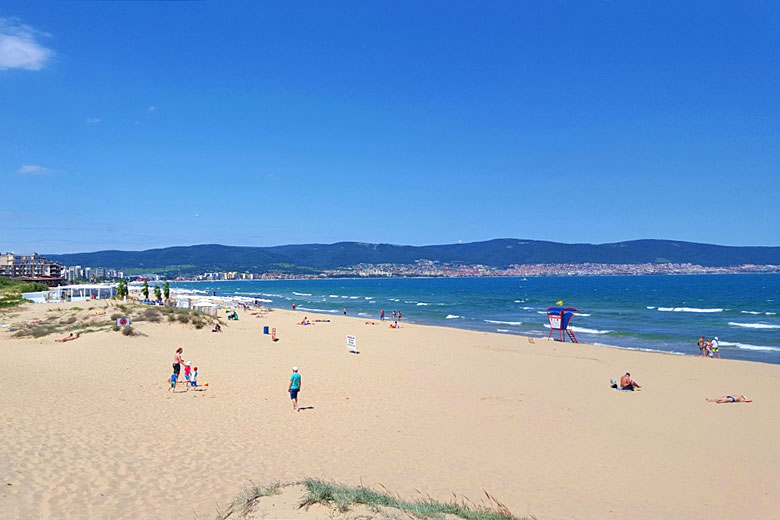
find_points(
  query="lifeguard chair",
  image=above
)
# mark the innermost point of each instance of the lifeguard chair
(559, 322)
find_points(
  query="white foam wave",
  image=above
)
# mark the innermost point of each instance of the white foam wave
(747, 346)
(368, 297)
(422, 304)
(363, 314)
(527, 308)
(584, 330)
(754, 325)
(582, 314)
(502, 330)
(499, 322)
(264, 300)
(333, 296)
(750, 312)
(372, 301)
(301, 293)
(650, 307)
(687, 309)
(770, 313)
(542, 312)
(317, 310)
(452, 317)
(354, 297)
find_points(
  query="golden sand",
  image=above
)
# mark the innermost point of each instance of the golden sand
(89, 429)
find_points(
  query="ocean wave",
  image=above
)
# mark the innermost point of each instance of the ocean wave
(452, 317)
(584, 330)
(499, 322)
(650, 307)
(528, 309)
(317, 310)
(301, 293)
(582, 314)
(265, 300)
(642, 349)
(422, 304)
(751, 312)
(770, 313)
(754, 325)
(747, 346)
(372, 301)
(333, 296)
(365, 314)
(394, 299)
(687, 309)
(542, 312)
(368, 297)
(502, 330)
(354, 297)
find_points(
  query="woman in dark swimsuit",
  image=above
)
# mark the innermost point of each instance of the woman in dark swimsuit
(177, 361)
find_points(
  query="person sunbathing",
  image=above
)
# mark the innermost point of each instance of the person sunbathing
(69, 337)
(729, 399)
(305, 321)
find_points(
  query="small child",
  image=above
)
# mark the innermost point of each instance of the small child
(194, 380)
(173, 382)
(187, 369)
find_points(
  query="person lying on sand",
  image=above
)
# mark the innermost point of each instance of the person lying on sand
(305, 321)
(730, 399)
(217, 328)
(69, 337)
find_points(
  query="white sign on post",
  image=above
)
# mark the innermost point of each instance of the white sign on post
(351, 343)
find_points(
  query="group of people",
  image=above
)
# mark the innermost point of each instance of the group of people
(709, 347)
(190, 372)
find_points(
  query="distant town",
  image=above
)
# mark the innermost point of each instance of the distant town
(37, 268)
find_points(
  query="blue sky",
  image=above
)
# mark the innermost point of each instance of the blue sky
(132, 125)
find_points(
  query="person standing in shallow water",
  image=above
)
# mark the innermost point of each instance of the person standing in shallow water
(345, 311)
(294, 387)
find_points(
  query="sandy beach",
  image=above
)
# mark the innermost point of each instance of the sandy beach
(90, 429)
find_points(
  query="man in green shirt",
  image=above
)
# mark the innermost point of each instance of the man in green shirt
(294, 387)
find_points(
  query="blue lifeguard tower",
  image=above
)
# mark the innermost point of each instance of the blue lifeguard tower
(559, 322)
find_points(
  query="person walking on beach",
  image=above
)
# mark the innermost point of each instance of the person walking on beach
(708, 347)
(701, 345)
(345, 311)
(177, 362)
(294, 387)
(293, 306)
(729, 399)
(395, 315)
(716, 347)
(399, 315)
(382, 315)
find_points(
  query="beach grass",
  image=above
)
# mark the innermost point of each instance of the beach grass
(246, 500)
(84, 321)
(342, 498)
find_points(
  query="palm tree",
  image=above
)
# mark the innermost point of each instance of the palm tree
(167, 291)
(145, 289)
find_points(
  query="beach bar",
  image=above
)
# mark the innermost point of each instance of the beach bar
(73, 293)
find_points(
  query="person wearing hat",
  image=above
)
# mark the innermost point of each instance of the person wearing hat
(716, 347)
(294, 387)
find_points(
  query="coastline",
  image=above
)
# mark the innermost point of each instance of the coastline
(436, 409)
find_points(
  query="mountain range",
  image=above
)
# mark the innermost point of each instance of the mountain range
(497, 253)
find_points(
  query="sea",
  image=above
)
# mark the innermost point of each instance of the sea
(653, 313)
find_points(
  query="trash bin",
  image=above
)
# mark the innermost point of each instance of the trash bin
(265, 329)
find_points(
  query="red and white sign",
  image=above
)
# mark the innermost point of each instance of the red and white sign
(122, 322)
(351, 343)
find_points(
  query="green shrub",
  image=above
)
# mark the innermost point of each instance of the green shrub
(184, 318)
(127, 331)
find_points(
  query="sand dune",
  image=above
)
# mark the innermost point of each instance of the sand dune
(90, 431)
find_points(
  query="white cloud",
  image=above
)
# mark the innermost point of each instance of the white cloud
(151, 108)
(19, 48)
(93, 120)
(34, 169)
